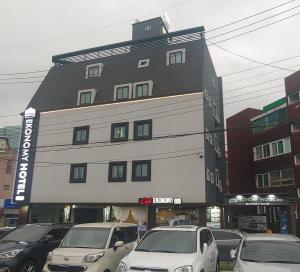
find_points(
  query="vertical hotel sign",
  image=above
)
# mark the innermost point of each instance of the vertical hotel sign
(24, 169)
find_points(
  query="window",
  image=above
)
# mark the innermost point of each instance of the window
(273, 119)
(207, 134)
(211, 139)
(122, 92)
(81, 135)
(276, 178)
(119, 234)
(176, 56)
(142, 89)
(86, 97)
(78, 173)
(147, 27)
(117, 171)
(143, 63)
(143, 130)
(207, 174)
(276, 148)
(295, 126)
(9, 166)
(141, 170)
(294, 97)
(217, 177)
(132, 234)
(6, 187)
(93, 70)
(297, 159)
(119, 132)
(204, 239)
(212, 177)
(216, 143)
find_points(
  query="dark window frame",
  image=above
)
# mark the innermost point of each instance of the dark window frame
(136, 90)
(175, 53)
(135, 132)
(87, 128)
(110, 168)
(76, 180)
(6, 187)
(90, 75)
(123, 87)
(113, 126)
(134, 164)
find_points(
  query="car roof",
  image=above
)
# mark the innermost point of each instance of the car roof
(104, 225)
(271, 237)
(179, 228)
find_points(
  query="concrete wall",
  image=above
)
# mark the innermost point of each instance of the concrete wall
(173, 173)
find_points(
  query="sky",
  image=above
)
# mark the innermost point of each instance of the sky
(32, 31)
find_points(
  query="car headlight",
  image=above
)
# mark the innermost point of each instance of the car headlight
(122, 267)
(10, 254)
(92, 257)
(186, 268)
(49, 256)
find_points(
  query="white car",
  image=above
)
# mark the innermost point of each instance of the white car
(93, 247)
(267, 253)
(173, 249)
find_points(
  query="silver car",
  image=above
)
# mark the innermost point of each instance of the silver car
(267, 252)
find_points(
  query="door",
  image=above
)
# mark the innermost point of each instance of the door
(205, 256)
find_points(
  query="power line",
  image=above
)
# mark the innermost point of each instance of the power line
(97, 29)
(249, 17)
(254, 23)
(258, 28)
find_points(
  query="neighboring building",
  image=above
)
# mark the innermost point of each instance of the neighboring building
(8, 211)
(263, 151)
(13, 135)
(130, 132)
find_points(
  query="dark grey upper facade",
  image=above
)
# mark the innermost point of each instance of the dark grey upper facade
(59, 90)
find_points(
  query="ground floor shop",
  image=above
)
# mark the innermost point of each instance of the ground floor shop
(9, 213)
(147, 213)
(262, 213)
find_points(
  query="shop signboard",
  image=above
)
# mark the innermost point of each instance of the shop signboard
(24, 171)
(8, 204)
(147, 201)
(255, 200)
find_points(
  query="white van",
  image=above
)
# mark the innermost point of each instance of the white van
(93, 247)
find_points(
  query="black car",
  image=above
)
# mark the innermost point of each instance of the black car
(25, 249)
(4, 231)
(226, 240)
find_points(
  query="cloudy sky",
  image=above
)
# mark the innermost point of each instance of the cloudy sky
(32, 31)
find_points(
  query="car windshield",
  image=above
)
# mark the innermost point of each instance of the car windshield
(27, 233)
(271, 251)
(169, 242)
(86, 238)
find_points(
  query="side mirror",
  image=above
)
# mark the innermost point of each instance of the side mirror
(233, 255)
(118, 244)
(205, 248)
(47, 238)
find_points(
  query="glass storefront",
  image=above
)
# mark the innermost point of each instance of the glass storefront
(213, 217)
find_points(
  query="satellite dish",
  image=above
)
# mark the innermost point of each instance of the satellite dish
(166, 20)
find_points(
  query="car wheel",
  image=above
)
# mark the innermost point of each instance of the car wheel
(29, 266)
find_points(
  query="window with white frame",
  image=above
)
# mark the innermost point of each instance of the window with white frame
(217, 177)
(86, 97)
(94, 70)
(176, 56)
(277, 178)
(211, 138)
(207, 134)
(272, 149)
(216, 143)
(212, 177)
(143, 63)
(295, 126)
(142, 89)
(122, 92)
(207, 174)
(294, 97)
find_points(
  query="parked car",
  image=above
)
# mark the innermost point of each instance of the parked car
(226, 240)
(5, 230)
(93, 247)
(176, 249)
(25, 248)
(267, 252)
